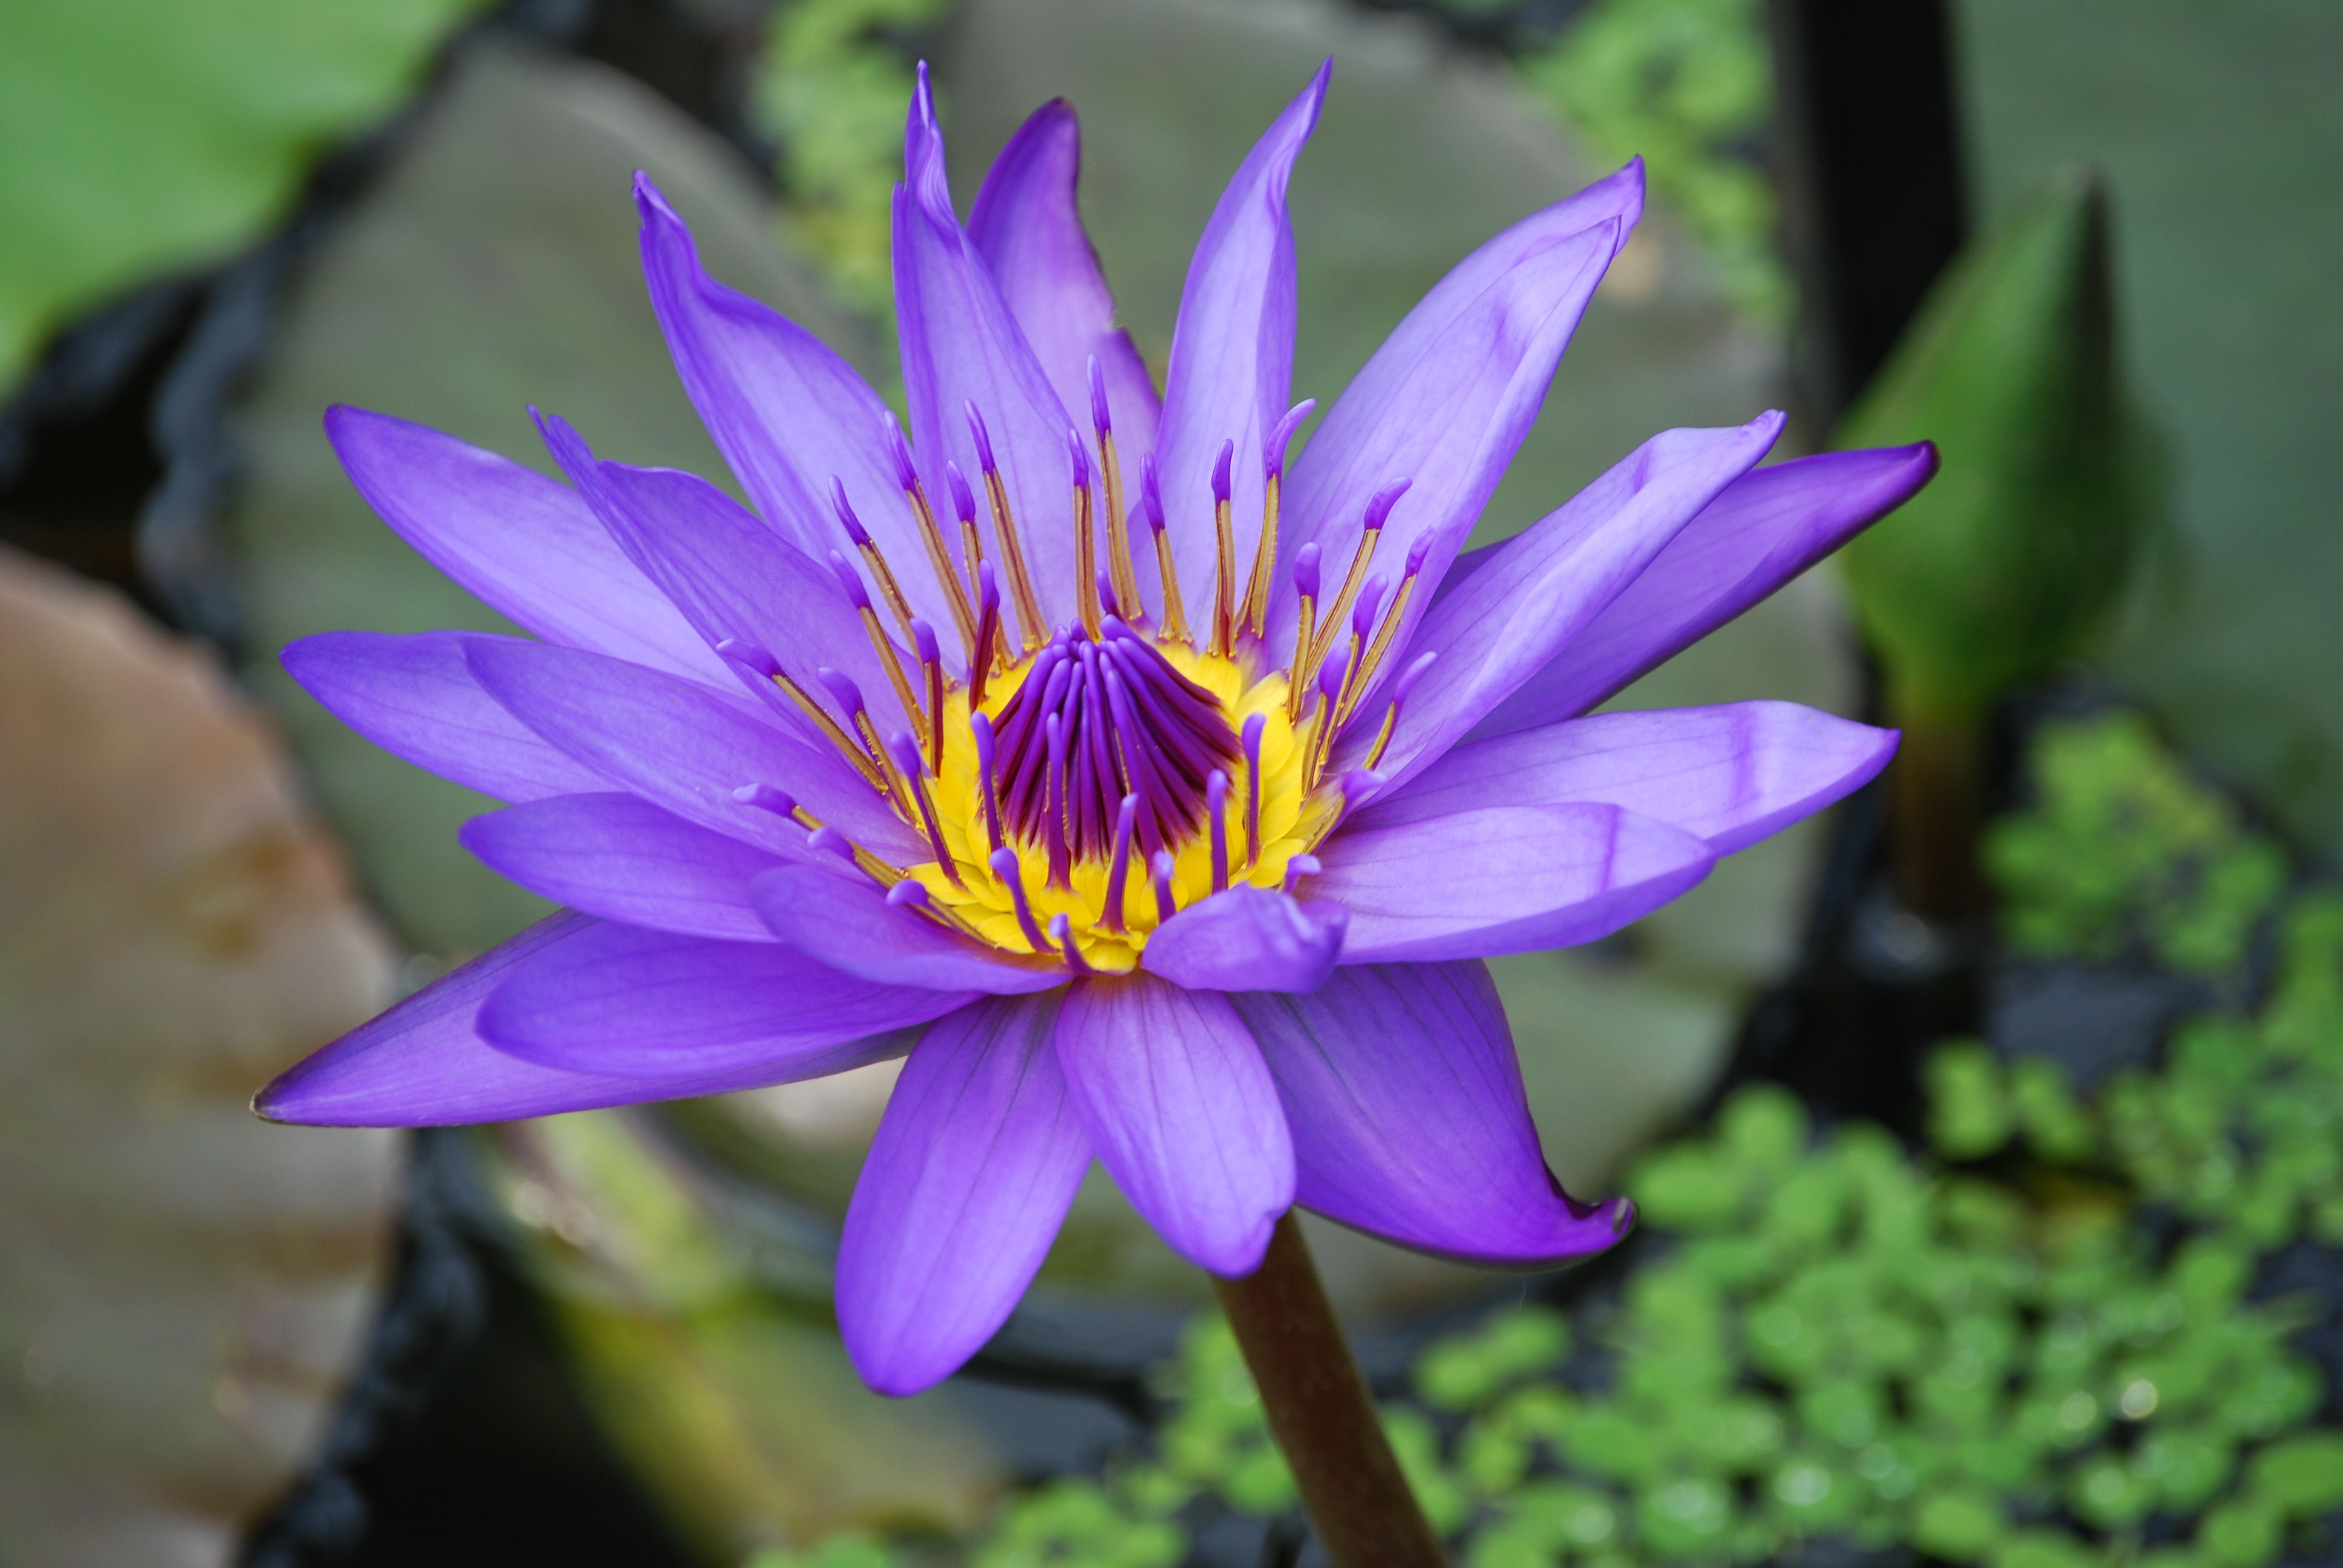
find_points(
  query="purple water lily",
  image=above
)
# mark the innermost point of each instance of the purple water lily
(1159, 796)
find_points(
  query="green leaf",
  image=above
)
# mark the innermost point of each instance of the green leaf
(2008, 562)
(2301, 1474)
(2243, 1535)
(1968, 1109)
(1960, 1526)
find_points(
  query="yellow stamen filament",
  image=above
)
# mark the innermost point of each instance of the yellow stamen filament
(831, 731)
(891, 660)
(1385, 633)
(897, 791)
(1341, 607)
(1030, 627)
(940, 562)
(869, 864)
(1224, 579)
(1175, 613)
(1118, 532)
(889, 589)
(1085, 562)
(935, 730)
(1255, 613)
(1383, 735)
(1296, 678)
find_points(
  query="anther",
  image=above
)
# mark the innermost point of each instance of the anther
(931, 535)
(1398, 611)
(1151, 502)
(1061, 933)
(1125, 598)
(830, 842)
(1371, 534)
(980, 727)
(1298, 867)
(988, 633)
(1224, 556)
(754, 657)
(1331, 677)
(889, 658)
(906, 752)
(1053, 821)
(1164, 906)
(932, 664)
(1250, 737)
(1355, 670)
(1004, 867)
(1118, 870)
(1255, 613)
(1216, 808)
(1305, 591)
(1031, 628)
(964, 500)
(765, 798)
(1086, 572)
(889, 589)
(849, 698)
(908, 893)
(1400, 688)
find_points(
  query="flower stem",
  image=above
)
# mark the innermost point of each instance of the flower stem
(1935, 811)
(1322, 1414)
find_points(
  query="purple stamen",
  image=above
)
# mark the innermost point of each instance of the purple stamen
(847, 695)
(908, 893)
(1378, 509)
(830, 841)
(1118, 870)
(1306, 571)
(1080, 456)
(1407, 679)
(1053, 824)
(846, 518)
(1151, 493)
(1298, 867)
(1061, 932)
(765, 798)
(1161, 865)
(1249, 738)
(980, 727)
(1281, 435)
(906, 752)
(963, 499)
(900, 451)
(1101, 416)
(1362, 614)
(1360, 786)
(1221, 471)
(849, 579)
(1216, 809)
(982, 438)
(1004, 867)
(924, 638)
(1417, 552)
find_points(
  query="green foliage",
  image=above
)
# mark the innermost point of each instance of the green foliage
(1834, 1338)
(1686, 83)
(145, 135)
(2007, 563)
(2122, 845)
(833, 87)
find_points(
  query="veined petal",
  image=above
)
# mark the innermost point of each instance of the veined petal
(1231, 374)
(1764, 530)
(1248, 938)
(423, 1064)
(624, 860)
(848, 926)
(1182, 1114)
(961, 345)
(1731, 774)
(978, 1158)
(1408, 1118)
(515, 540)
(413, 694)
(729, 574)
(788, 413)
(1544, 586)
(682, 747)
(1451, 421)
(1506, 880)
(1028, 227)
(622, 1002)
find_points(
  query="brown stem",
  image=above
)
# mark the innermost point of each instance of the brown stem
(1322, 1414)
(1933, 788)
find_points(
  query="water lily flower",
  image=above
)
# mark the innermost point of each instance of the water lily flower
(1157, 788)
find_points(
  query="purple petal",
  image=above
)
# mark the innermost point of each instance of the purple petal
(1408, 1119)
(1028, 227)
(1453, 390)
(1543, 586)
(415, 696)
(786, 412)
(849, 925)
(1732, 775)
(977, 1160)
(423, 1063)
(623, 858)
(1766, 528)
(515, 540)
(1182, 1114)
(1507, 879)
(960, 346)
(622, 1002)
(729, 574)
(682, 747)
(1248, 938)
(1230, 375)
